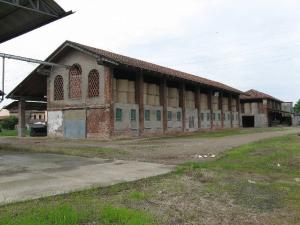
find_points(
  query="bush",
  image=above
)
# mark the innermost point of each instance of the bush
(9, 123)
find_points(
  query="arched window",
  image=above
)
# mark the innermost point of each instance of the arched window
(58, 88)
(93, 83)
(75, 81)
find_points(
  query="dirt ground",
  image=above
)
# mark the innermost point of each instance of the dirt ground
(166, 150)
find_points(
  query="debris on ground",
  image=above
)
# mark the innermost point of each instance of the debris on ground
(205, 156)
(297, 179)
(251, 182)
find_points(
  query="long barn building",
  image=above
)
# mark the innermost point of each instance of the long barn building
(104, 94)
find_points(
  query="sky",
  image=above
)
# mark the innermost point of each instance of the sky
(245, 44)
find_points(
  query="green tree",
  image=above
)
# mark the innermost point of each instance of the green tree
(297, 107)
(9, 123)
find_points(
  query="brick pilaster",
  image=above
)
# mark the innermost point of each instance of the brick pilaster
(140, 100)
(164, 103)
(198, 106)
(182, 104)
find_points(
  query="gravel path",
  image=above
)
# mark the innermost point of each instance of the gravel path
(173, 150)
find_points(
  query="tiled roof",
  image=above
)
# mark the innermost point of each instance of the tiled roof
(254, 94)
(121, 59)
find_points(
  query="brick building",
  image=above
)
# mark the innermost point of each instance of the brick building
(262, 110)
(104, 94)
(34, 112)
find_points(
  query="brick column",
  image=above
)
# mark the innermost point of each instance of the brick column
(221, 108)
(140, 102)
(198, 106)
(109, 98)
(182, 104)
(210, 107)
(21, 114)
(230, 110)
(238, 102)
(164, 102)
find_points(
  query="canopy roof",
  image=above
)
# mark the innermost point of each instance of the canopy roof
(18, 17)
(36, 106)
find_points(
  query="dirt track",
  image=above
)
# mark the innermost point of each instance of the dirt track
(172, 150)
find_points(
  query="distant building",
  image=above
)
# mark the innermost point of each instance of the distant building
(4, 114)
(262, 110)
(34, 112)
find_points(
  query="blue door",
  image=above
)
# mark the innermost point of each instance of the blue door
(75, 124)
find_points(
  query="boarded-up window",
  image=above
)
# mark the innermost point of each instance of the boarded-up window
(158, 115)
(147, 115)
(93, 83)
(75, 81)
(58, 88)
(133, 115)
(178, 116)
(169, 116)
(118, 114)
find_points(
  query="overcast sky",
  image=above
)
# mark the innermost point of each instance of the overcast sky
(245, 44)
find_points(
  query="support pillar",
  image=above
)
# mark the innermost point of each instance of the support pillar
(198, 106)
(230, 110)
(221, 108)
(140, 102)
(238, 102)
(210, 107)
(182, 104)
(110, 99)
(164, 103)
(21, 114)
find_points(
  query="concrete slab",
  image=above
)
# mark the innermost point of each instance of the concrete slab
(26, 176)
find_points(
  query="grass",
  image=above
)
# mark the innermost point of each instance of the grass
(220, 133)
(8, 133)
(66, 214)
(252, 184)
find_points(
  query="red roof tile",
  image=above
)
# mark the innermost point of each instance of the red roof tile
(254, 94)
(153, 67)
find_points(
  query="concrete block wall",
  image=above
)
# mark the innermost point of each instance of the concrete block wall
(126, 126)
(217, 119)
(205, 123)
(260, 120)
(191, 119)
(153, 125)
(227, 119)
(174, 125)
(235, 121)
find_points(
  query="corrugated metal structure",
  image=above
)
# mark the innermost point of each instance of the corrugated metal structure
(18, 17)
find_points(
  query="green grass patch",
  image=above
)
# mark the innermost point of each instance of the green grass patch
(63, 214)
(122, 216)
(220, 133)
(8, 133)
(136, 195)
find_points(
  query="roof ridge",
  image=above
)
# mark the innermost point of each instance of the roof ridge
(154, 67)
(255, 94)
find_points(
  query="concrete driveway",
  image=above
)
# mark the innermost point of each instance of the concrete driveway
(26, 176)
